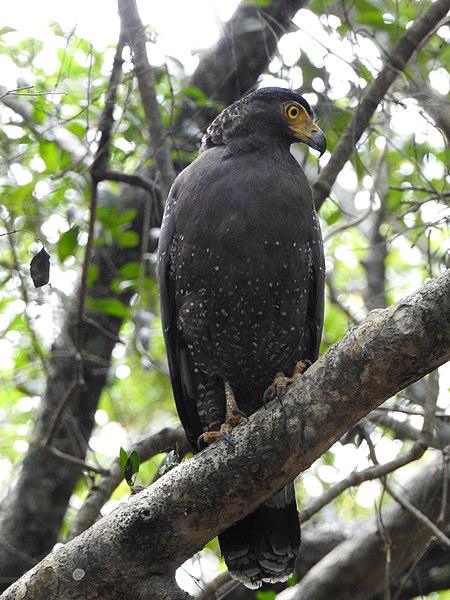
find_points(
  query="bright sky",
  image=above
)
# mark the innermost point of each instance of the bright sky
(181, 25)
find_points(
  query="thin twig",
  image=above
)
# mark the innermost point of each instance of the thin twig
(419, 515)
(348, 225)
(57, 417)
(106, 121)
(133, 179)
(375, 472)
(38, 239)
(18, 92)
(74, 460)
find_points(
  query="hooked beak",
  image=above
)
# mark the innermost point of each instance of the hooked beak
(307, 132)
(317, 141)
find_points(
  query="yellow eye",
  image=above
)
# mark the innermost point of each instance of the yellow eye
(292, 111)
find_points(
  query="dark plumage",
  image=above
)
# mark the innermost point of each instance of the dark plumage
(241, 278)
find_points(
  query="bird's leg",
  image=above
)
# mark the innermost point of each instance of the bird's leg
(233, 417)
(280, 383)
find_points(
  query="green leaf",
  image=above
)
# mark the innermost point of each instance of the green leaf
(92, 274)
(129, 465)
(134, 460)
(260, 4)
(23, 193)
(123, 457)
(130, 270)
(333, 217)
(68, 243)
(194, 92)
(7, 29)
(127, 239)
(126, 216)
(269, 595)
(108, 306)
(49, 154)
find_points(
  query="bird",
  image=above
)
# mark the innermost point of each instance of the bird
(240, 270)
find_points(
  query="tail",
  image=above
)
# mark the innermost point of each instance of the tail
(263, 546)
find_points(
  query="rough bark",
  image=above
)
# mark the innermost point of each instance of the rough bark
(164, 441)
(176, 516)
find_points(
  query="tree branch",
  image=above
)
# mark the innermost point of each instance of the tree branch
(231, 67)
(394, 66)
(176, 516)
(359, 563)
(163, 441)
(132, 23)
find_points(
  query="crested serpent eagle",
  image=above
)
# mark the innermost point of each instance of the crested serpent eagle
(241, 278)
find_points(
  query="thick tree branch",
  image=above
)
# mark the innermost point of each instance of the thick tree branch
(165, 440)
(176, 516)
(374, 93)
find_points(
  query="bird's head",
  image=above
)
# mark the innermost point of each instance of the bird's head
(267, 114)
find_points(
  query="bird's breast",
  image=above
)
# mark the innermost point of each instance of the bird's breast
(244, 254)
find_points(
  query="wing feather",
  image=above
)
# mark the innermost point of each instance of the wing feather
(177, 355)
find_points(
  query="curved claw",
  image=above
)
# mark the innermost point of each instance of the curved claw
(276, 389)
(280, 391)
(234, 417)
(201, 442)
(280, 383)
(226, 437)
(240, 416)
